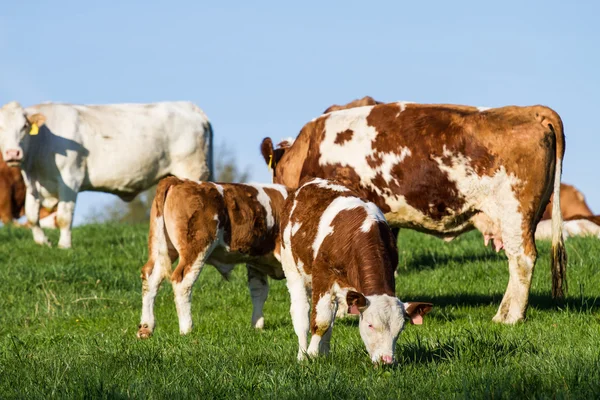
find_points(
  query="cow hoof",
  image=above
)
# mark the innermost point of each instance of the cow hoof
(144, 332)
(260, 323)
(506, 319)
(64, 246)
(45, 243)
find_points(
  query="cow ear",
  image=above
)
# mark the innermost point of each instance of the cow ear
(266, 149)
(36, 119)
(356, 301)
(416, 310)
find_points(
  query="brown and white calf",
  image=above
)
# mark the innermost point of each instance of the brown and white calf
(204, 222)
(444, 169)
(340, 248)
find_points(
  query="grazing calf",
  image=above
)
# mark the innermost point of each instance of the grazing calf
(341, 248)
(220, 224)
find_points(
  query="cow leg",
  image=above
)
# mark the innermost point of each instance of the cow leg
(522, 254)
(64, 215)
(299, 310)
(182, 279)
(32, 210)
(321, 323)
(153, 273)
(259, 290)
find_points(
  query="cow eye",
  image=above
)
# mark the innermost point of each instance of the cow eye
(371, 326)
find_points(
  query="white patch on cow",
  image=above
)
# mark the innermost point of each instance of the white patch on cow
(374, 215)
(403, 104)
(483, 108)
(335, 207)
(543, 230)
(265, 201)
(385, 315)
(219, 187)
(280, 188)
(326, 184)
(360, 146)
(577, 227)
(493, 195)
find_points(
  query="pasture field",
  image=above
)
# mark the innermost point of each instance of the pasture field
(68, 320)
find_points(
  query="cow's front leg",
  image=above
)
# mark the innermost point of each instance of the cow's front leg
(64, 215)
(32, 211)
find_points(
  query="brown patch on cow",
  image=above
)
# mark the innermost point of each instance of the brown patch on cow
(572, 203)
(365, 101)
(344, 136)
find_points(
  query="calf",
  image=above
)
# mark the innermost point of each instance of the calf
(204, 222)
(340, 247)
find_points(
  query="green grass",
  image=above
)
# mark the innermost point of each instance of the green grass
(68, 320)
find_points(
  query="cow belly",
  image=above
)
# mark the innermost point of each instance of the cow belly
(267, 264)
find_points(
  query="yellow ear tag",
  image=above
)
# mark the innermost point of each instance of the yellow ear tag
(34, 130)
(270, 160)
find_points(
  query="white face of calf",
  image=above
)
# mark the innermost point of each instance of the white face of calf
(14, 125)
(382, 318)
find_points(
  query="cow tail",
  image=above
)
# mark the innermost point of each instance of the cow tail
(157, 239)
(558, 254)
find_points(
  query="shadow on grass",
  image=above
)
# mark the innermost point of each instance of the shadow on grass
(539, 301)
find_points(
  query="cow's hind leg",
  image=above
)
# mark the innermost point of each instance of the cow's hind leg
(522, 254)
(258, 284)
(162, 254)
(183, 278)
(299, 309)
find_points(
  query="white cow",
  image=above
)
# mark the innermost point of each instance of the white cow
(122, 149)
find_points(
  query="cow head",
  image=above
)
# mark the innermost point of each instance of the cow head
(273, 155)
(15, 123)
(382, 318)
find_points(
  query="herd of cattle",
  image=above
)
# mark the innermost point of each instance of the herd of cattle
(328, 223)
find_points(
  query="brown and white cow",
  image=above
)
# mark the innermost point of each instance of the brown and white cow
(203, 222)
(572, 203)
(577, 225)
(441, 168)
(12, 198)
(339, 247)
(365, 101)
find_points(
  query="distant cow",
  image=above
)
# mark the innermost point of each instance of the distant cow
(572, 203)
(365, 101)
(339, 248)
(577, 225)
(121, 149)
(221, 224)
(12, 197)
(435, 168)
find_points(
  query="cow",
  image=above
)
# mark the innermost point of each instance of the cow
(365, 101)
(572, 203)
(123, 149)
(218, 223)
(577, 225)
(12, 198)
(340, 248)
(442, 169)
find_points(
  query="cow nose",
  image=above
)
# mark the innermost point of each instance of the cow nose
(14, 154)
(387, 359)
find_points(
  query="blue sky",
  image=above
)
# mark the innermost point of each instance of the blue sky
(266, 68)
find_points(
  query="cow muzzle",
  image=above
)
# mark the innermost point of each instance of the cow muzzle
(13, 157)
